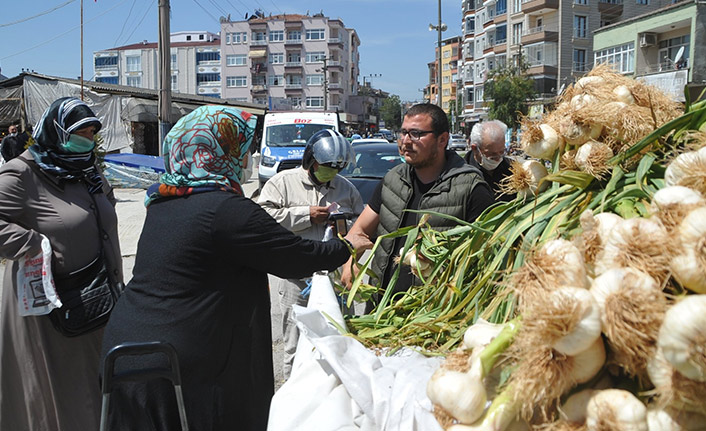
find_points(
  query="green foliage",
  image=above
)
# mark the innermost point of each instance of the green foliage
(508, 90)
(391, 112)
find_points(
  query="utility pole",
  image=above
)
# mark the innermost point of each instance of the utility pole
(325, 70)
(165, 73)
(439, 30)
(81, 49)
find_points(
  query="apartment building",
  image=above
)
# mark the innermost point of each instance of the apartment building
(555, 37)
(195, 64)
(290, 62)
(450, 49)
(664, 48)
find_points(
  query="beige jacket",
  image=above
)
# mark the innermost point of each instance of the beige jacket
(288, 195)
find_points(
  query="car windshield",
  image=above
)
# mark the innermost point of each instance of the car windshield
(292, 135)
(372, 163)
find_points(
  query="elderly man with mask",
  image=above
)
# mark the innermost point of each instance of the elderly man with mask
(488, 155)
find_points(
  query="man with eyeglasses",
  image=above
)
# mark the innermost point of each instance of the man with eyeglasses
(488, 155)
(432, 178)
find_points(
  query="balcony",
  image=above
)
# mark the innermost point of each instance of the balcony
(335, 64)
(538, 5)
(291, 64)
(610, 7)
(500, 18)
(260, 88)
(540, 34)
(293, 41)
(258, 68)
(537, 68)
(293, 25)
(258, 43)
(335, 86)
(335, 40)
(580, 68)
(500, 46)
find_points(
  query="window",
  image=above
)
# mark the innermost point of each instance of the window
(276, 58)
(174, 62)
(516, 33)
(275, 80)
(501, 34)
(668, 50)
(315, 34)
(188, 37)
(470, 25)
(580, 26)
(203, 57)
(276, 35)
(296, 102)
(621, 57)
(200, 37)
(239, 99)
(294, 36)
(315, 57)
(500, 7)
(445, 79)
(294, 57)
(208, 78)
(134, 81)
(259, 36)
(228, 38)
(447, 92)
(175, 84)
(107, 79)
(105, 62)
(447, 54)
(516, 7)
(294, 80)
(236, 60)
(238, 38)
(581, 2)
(314, 79)
(134, 64)
(236, 81)
(314, 102)
(258, 80)
(579, 60)
(645, 2)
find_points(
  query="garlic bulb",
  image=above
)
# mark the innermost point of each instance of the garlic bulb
(584, 314)
(588, 81)
(682, 337)
(615, 409)
(532, 172)
(574, 408)
(674, 389)
(592, 158)
(672, 203)
(689, 264)
(639, 243)
(632, 309)
(576, 134)
(670, 419)
(581, 100)
(460, 394)
(589, 362)
(421, 267)
(481, 334)
(688, 170)
(546, 146)
(568, 263)
(623, 94)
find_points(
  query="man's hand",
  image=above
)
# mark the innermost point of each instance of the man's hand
(360, 241)
(318, 215)
(350, 271)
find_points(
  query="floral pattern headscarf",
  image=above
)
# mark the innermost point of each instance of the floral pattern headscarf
(204, 151)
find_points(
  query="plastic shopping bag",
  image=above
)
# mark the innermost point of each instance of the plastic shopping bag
(36, 294)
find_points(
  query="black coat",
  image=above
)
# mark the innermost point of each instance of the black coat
(494, 177)
(200, 283)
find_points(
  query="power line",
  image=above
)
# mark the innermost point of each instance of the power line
(62, 34)
(273, 4)
(207, 12)
(37, 15)
(138, 24)
(220, 9)
(124, 23)
(233, 6)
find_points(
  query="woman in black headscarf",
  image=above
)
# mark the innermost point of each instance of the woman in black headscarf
(54, 188)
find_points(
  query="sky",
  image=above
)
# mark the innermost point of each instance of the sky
(396, 44)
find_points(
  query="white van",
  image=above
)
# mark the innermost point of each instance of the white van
(284, 136)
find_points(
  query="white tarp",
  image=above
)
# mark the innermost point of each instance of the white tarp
(40, 93)
(338, 384)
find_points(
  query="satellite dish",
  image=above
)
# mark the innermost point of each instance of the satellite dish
(679, 55)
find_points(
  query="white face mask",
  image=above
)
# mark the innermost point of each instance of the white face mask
(246, 170)
(489, 164)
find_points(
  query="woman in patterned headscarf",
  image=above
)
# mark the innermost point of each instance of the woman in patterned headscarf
(49, 381)
(200, 283)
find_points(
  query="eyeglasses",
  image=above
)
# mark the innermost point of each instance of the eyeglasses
(414, 135)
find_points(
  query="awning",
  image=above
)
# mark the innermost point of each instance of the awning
(256, 53)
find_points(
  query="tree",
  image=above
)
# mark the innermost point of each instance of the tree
(508, 89)
(391, 112)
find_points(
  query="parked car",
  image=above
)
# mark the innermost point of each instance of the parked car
(457, 143)
(388, 135)
(372, 162)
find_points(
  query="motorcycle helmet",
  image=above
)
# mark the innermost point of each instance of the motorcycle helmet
(328, 147)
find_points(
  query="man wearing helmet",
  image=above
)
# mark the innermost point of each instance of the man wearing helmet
(432, 178)
(301, 201)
